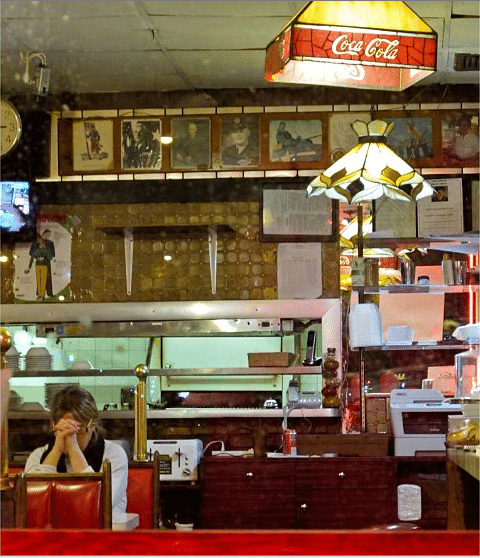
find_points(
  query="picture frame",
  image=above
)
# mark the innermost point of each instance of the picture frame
(298, 140)
(141, 148)
(92, 145)
(240, 141)
(415, 136)
(287, 215)
(191, 147)
(460, 138)
(341, 136)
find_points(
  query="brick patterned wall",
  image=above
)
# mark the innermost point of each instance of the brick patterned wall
(246, 268)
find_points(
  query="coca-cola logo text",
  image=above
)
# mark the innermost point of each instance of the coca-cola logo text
(376, 48)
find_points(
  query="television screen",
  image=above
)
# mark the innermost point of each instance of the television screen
(17, 214)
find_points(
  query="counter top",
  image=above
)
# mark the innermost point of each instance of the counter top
(141, 542)
(192, 413)
(466, 460)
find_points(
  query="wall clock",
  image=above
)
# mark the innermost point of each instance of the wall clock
(11, 126)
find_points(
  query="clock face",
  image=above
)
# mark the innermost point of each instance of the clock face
(11, 126)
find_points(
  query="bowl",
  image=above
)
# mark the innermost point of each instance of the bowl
(184, 526)
(81, 365)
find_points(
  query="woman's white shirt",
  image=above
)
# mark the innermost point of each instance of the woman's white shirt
(118, 460)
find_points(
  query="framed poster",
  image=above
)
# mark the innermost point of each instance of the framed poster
(287, 215)
(191, 146)
(460, 140)
(442, 212)
(141, 145)
(240, 141)
(295, 140)
(43, 267)
(92, 142)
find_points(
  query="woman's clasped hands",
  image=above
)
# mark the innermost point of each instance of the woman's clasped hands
(66, 430)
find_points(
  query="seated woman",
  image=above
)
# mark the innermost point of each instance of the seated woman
(78, 445)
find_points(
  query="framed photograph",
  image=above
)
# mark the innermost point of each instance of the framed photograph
(460, 138)
(287, 215)
(240, 141)
(141, 146)
(92, 142)
(415, 138)
(341, 135)
(295, 141)
(191, 146)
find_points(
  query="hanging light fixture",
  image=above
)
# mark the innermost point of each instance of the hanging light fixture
(368, 45)
(367, 172)
(370, 170)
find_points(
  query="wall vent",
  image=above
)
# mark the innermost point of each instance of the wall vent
(466, 63)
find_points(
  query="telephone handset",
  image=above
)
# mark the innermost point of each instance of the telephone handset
(310, 359)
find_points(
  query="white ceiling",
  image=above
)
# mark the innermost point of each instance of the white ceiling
(124, 46)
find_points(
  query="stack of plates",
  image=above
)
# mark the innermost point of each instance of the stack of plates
(38, 359)
(52, 389)
(14, 401)
(13, 359)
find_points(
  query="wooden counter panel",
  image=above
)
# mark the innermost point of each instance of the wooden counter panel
(254, 471)
(343, 473)
(247, 493)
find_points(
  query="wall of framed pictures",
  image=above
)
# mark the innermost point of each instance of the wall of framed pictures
(243, 141)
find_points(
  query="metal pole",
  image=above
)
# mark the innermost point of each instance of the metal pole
(6, 343)
(140, 444)
(361, 350)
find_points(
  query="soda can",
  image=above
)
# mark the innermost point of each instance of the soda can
(290, 442)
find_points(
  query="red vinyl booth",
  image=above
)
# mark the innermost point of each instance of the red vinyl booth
(65, 504)
(66, 500)
(143, 493)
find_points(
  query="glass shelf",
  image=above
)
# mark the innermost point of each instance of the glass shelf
(418, 346)
(243, 371)
(416, 288)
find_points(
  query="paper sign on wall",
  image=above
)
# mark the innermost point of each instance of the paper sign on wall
(299, 270)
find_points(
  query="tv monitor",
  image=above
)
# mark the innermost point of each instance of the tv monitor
(18, 211)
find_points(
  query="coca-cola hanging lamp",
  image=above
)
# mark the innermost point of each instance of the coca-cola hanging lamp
(365, 45)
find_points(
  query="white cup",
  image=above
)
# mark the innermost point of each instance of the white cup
(427, 384)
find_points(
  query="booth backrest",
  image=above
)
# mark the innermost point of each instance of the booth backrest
(143, 493)
(69, 501)
(13, 501)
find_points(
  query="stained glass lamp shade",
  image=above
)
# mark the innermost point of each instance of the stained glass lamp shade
(370, 170)
(367, 45)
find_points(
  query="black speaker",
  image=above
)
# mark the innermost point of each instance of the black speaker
(31, 158)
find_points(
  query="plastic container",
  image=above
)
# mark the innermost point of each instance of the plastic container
(365, 324)
(466, 364)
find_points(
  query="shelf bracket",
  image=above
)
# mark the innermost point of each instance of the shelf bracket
(212, 252)
(128, 241)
